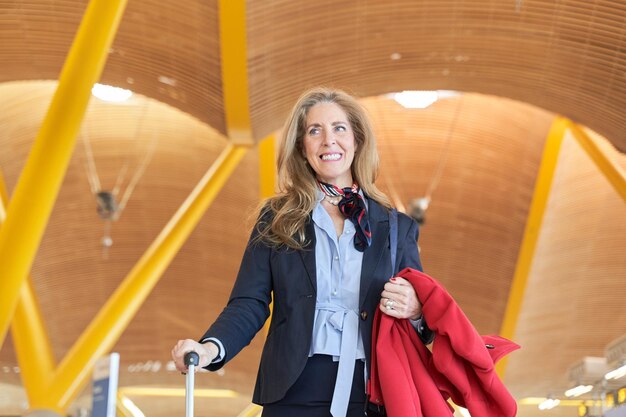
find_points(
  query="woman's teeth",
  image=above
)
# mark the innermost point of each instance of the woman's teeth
(331, 157)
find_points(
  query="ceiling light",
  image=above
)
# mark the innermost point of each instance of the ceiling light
(110, 93)
(416, 99)
(156, 366)
(168, 80)
(616, 373)
(579, 390)
(549, 403)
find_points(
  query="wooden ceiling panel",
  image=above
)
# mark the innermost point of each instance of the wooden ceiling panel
(166, 51)
(566, 58)
(171, 52)
(73, 275)
(476, 219)
(574, 298)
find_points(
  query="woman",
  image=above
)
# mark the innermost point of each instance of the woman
(321, 246)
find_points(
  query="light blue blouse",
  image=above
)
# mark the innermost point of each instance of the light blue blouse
(336, 322)
(338, 272)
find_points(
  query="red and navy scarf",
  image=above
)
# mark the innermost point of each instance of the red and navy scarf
(352, 206)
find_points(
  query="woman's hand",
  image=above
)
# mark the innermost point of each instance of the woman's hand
(399, 300)
(206, 351)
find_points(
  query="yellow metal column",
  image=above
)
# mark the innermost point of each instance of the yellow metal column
(267, 167)
(531, 232)
(32, 344)
(267, 184)
(234, 59)
(176, 392)
(113, 318)
(252, 410)
(30, 338)
(36, 191)
(4, 198)
(613, 172)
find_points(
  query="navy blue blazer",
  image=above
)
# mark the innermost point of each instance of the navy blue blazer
(290, 275)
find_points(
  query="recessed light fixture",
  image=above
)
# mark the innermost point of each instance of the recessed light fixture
(616, 373)
(111, 94)
(420, 99)
(579, 390)
(168, 80)
(416, 99)
(549, 403)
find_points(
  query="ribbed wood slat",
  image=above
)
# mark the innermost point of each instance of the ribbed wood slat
(572, 49)
(575, 299)
(476, 220)
(155, 39)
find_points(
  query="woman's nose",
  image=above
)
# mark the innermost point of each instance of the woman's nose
(328, 139)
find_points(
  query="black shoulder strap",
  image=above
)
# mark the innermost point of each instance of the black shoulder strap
(393, 238)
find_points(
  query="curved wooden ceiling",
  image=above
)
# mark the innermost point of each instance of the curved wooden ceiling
(566, 57)
(519, 67)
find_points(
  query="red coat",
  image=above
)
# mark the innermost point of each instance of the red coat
(410, 381)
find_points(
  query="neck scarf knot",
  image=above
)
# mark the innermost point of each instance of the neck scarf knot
(352, 206)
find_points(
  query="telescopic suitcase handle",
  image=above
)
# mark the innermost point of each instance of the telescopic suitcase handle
(191, 359)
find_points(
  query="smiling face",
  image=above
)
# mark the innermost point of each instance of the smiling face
(329, 144)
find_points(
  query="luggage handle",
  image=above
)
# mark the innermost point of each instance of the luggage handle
(191, 360)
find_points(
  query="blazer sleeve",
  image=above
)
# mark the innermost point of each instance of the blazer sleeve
(248, 305)
(409, 257)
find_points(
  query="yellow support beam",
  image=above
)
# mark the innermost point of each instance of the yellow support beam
(234, 59)
(267, 167)
(177, 392)
(252, 410)
(267, 184)
(113, 318)
(541, 194)
(613, 172)
(30, 338)
(4, 198)
(32, 343)
(39, 184)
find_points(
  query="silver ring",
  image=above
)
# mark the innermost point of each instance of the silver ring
(389, 304)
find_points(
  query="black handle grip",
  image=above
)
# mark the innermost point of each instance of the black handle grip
(191, 358)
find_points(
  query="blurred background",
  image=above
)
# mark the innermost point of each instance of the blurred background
(501, 126)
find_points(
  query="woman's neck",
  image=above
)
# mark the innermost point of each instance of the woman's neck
(338, 182)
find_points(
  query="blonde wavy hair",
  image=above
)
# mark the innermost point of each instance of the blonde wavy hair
(283, 217)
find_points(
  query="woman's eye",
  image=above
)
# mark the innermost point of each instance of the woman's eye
(340, 128)
(314, 131)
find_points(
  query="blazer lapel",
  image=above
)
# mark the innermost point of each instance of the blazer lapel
(308, 254)
(379, 223)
